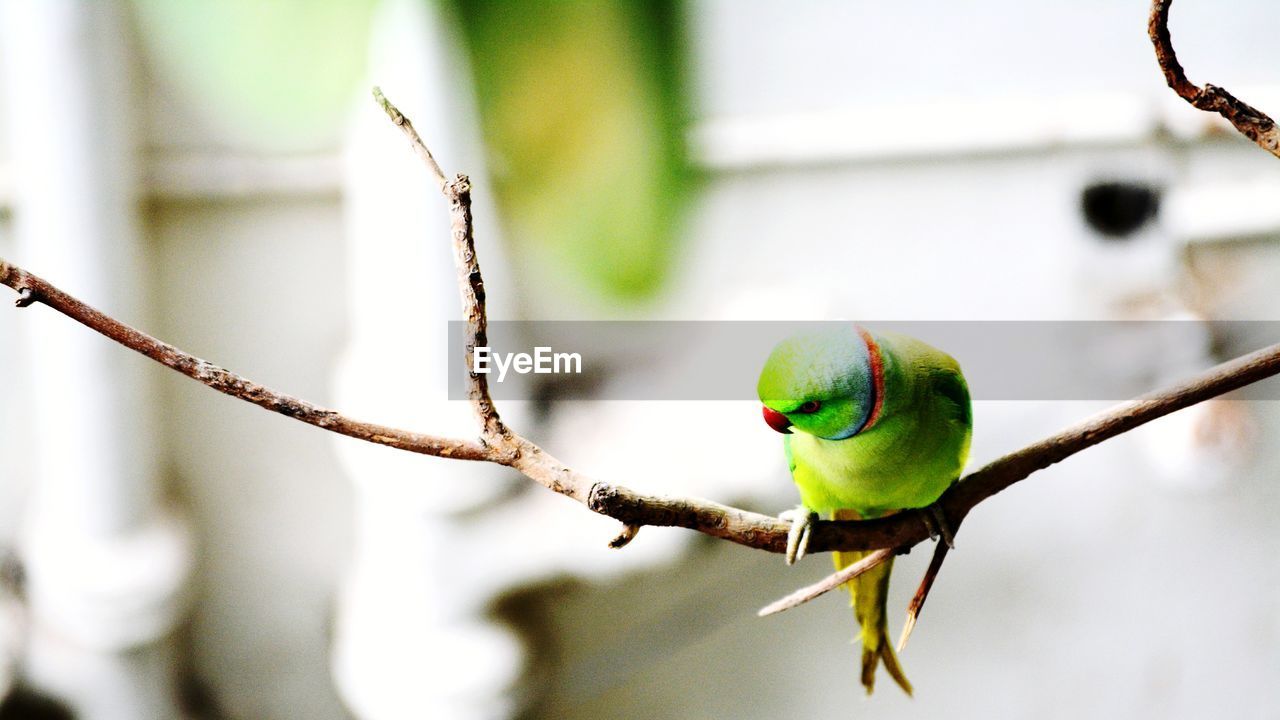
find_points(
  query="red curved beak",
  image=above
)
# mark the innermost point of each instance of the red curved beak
(777, 421)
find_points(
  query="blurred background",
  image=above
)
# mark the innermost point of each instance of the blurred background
(216, 174)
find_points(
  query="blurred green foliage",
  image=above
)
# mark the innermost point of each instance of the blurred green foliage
(584, 112)
(279, 72)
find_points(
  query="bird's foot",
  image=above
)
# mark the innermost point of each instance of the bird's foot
(935, 520)
(801, 519)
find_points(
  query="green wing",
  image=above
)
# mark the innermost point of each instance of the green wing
(950, 385)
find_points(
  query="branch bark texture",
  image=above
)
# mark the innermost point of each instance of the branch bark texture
(1250, 121)
(34, 289)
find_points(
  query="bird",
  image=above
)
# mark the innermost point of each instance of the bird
(873, 424)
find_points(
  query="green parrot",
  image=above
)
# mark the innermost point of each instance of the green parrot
(875, 423)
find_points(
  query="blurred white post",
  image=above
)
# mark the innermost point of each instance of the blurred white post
(106, 563)
(412, 639)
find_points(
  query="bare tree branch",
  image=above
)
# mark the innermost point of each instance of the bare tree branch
(471, 287)
(904, 529)
(502, 446)
(33, 289)
(827, 584)
(470, 282)
(922, 592)
(1250, 121)
(419, 147)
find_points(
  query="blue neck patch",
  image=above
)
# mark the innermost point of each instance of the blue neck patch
(858, 385)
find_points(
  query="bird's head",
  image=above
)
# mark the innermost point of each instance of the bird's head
(826, 383)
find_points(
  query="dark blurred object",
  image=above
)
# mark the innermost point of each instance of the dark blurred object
(1119, 209)
(584, 112)
(197, 699)
(13, 576)
(24, 704)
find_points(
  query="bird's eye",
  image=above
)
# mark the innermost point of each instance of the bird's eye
(809, 408)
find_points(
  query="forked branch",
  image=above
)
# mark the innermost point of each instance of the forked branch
(500, 444)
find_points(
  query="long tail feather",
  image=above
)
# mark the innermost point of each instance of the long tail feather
(893, 666)
(870, 660)
(868, 594)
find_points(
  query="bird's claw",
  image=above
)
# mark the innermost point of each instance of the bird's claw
(935, 521)
(801, 519)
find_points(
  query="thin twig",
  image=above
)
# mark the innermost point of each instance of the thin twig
(419, 147)
(922, 592)
(1250, 121)
(751, 529)
(471, 286)
(829, 583)
(625, 537)
(470, 281)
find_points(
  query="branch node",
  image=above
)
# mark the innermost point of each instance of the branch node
(600, 498)
(458, 187)
(501, 448)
